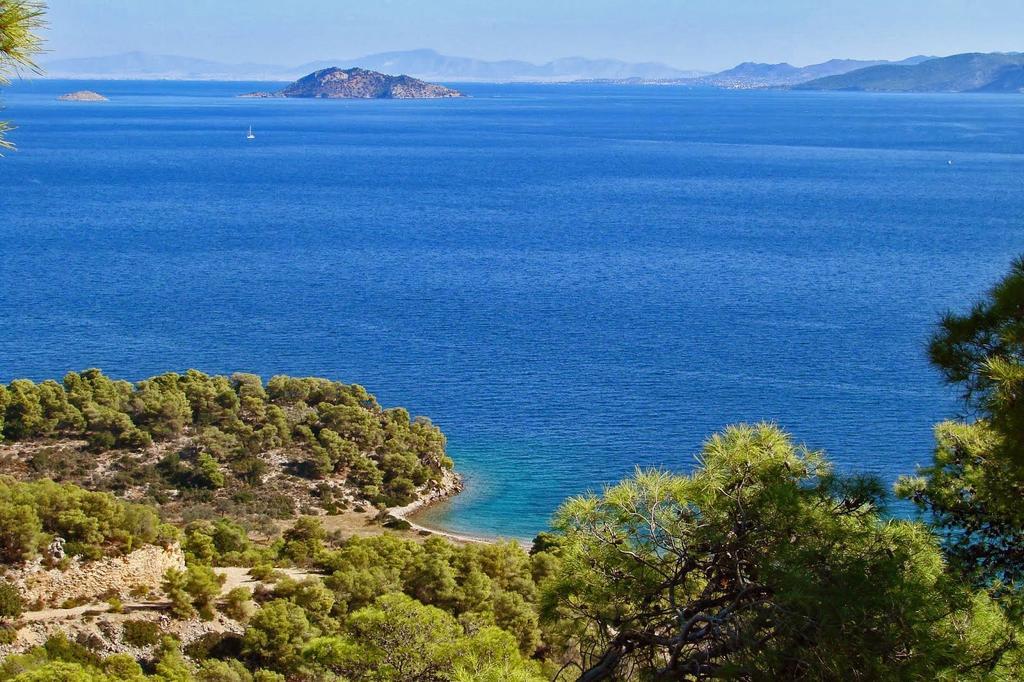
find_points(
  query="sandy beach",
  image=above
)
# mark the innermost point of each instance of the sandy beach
(451, 485)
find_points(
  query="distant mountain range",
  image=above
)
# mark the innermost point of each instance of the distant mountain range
(753, 75)
(972, 72)
(143, 66)
(434, 66)
(423, 64)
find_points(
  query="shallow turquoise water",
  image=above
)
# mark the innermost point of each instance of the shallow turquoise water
(570, 280)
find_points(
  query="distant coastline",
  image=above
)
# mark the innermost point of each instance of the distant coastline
(424, 64)
(995, 73)
(970, 72)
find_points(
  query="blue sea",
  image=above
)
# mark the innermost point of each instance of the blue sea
(571, 280)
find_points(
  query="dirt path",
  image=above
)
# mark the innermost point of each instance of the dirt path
(238, 576)
(65, 614)
(234, 576)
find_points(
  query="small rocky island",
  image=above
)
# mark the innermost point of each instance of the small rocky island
(83, 96)
(336, 83)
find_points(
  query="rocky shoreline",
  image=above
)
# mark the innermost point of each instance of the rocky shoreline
(450, 485)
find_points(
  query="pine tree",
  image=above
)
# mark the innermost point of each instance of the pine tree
(19, 43)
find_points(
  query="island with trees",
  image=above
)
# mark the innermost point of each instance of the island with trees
(356, 83)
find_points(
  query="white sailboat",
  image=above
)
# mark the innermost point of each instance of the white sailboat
(250, 136)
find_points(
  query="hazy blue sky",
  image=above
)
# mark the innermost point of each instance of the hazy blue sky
(704, 34)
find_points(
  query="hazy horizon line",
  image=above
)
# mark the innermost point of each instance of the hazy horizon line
(53, 59)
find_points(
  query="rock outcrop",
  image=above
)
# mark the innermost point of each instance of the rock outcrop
(450, 485)
(336, 83)
(83, 96)
(92, 580)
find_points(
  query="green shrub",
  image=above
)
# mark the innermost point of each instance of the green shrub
(263, 573)
(238, 604)
(207, 472)
(74, 602)
(94, 524)
(60, 648)
(222, 671)
(395, 523)
(203, 585)
(213, 645)
(192, 590)
(276, 635)
(21, 531)
(141, 633)
(122, 667)
(304, 540)
(174, 586)
(140, 592)
(11, 602)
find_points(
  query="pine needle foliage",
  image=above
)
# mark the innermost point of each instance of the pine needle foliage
(20, 22)
(973, 488)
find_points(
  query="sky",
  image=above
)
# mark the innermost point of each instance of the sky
(687, 34)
